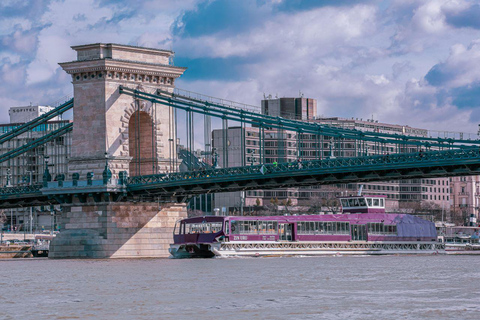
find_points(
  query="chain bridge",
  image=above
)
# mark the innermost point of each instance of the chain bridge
(134, 153)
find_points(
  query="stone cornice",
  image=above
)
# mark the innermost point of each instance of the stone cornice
(122, 66)
(108, 62)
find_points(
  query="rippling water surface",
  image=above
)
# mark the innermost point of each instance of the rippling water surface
(391, 287)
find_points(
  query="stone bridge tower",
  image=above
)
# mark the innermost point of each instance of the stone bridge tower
(135, 135)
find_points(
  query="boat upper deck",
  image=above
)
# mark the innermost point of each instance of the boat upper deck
(363, 204)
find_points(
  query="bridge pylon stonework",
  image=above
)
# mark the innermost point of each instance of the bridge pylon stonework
(116, 230)
(135, 135)
(124, 134)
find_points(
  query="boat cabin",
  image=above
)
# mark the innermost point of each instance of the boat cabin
(461, 234)
(347, 227)
(363, 204)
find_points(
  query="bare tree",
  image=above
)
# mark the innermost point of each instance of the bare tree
(332, 204)
(427, 208)
(287, 203)
(460, 217)
(268, 209)
(3, 217)
(314, 204)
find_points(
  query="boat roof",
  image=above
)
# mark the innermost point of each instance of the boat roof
(365, 196)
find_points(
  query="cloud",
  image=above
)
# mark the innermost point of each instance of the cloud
(404, 61)
(465, 17)
(338, 55)
(314, 32)
(457, 80)
(20, 41)
(420, 25)
(220, 17)
(26, 9)
(459, 69)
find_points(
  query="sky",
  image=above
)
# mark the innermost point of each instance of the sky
(406, 62)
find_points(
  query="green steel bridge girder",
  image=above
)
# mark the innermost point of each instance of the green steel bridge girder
(308, 173)
(37, 195)
(180, 186)
(37, 121)
(37, 142)
(229, 113)
(23, 196)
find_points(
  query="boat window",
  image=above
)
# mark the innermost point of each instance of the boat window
(382, 203)
(235, 229)
(216, 227)
(227, 229)
(253, 227)
(362, 203)
(267, 227)
(203, 227)
(344, 202)
(369, 201)
(381, 229)
(323, 227)
(376, 202)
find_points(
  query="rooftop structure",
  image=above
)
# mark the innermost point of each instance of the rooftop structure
(27, 113)
(290, 108)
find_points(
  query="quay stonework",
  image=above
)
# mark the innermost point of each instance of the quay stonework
(107, 125)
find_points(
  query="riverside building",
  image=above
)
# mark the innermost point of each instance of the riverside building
(465, 193)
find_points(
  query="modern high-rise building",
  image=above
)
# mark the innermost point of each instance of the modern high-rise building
(291, 108)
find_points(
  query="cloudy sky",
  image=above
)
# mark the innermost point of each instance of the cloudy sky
(401, 61)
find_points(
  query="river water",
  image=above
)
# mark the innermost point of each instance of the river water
(385, 287)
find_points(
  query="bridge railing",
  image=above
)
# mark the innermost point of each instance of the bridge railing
(21, 190)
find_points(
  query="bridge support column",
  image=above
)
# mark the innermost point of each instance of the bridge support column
(116, 230)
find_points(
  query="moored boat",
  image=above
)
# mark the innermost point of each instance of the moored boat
(462, 240)
(363, 228)
(42, 245)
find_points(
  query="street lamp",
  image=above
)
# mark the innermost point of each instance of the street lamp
(46, 175)
(9, 184)
(30, 182)
(52, 214)
(215, 159)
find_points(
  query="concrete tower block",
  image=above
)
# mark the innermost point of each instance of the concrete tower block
(104, 119)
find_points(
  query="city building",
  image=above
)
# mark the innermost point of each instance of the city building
(292, 108)
(465, 193)
(28, 168)
(27, 113)
(241, 146)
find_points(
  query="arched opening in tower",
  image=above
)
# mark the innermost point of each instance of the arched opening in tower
(141, 144)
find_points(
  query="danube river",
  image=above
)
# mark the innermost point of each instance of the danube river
(387, 287)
